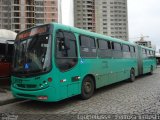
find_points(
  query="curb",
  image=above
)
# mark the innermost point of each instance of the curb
(9, 101)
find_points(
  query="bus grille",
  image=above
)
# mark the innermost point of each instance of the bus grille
(26, 95)
(26, 86)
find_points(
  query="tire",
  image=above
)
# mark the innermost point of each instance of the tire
(132, 75)
(87, 88)
(151, 70)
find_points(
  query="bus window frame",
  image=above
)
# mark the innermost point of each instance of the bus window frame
(117, 51)
(89, 47)
(108, 48)
(124, 50)
(55, 50)
(131, 49)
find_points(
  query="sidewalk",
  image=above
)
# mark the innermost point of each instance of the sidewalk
(6, 96)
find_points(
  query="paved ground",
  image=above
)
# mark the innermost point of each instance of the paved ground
(5, 93)
(139, 97)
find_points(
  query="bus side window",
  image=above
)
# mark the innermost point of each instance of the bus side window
(66, 50)
(132, 51)
(148, 53)
(126, 51)
(144, 53)
(104, 48)
(117, 50)
(109, 44)
(87, 46)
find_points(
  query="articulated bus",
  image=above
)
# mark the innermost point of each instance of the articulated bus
(53, 62)
(6, 53)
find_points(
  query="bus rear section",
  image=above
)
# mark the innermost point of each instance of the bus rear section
(146, 60)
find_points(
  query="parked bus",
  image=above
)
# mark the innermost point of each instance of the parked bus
(53, 62)
(6, 53)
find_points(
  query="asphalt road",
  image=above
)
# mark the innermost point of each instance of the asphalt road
(124, 98)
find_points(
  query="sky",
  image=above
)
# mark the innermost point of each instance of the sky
(67, 12)
(143, 19)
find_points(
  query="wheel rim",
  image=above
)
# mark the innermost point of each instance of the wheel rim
(87, 87)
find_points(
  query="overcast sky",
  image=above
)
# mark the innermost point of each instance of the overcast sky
(143, 17)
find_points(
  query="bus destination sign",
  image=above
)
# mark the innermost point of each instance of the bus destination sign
(32, 32)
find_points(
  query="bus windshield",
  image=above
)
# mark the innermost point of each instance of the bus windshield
(32, 54)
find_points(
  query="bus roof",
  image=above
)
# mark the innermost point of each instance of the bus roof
(6, 35)
(146, 47)
(97, 35)
(85, 32)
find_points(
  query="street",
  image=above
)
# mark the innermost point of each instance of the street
(139, 97)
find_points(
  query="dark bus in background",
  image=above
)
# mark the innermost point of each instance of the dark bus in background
(6, 50)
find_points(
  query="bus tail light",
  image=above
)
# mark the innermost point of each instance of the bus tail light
(42, 97)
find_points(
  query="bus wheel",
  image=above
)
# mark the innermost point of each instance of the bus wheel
(87, 88)
(132, 75)
(151, 70)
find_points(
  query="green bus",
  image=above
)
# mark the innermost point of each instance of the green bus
(53, 62)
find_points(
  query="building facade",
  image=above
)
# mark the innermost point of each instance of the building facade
(144, 43)
(23, 14)
(5, 14)
(84, 14)
(108, 17)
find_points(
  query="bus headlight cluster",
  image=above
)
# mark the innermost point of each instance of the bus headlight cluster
(44, 84)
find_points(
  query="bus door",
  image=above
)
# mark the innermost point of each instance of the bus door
(140, 60)
(67, 63)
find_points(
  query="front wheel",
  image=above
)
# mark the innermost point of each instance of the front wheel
(132, 75)
(87, 88)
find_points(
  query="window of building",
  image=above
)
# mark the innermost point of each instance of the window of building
(16, 14)
(52, 2)
(17, 26)
(16, 1)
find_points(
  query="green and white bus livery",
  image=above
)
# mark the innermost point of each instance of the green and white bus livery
(53, 62)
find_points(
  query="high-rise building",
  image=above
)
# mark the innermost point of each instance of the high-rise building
(5, 14)
(84, 14)
(23, 14)
(110, 17)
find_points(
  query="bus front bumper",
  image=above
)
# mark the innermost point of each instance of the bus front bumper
(46, 95)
